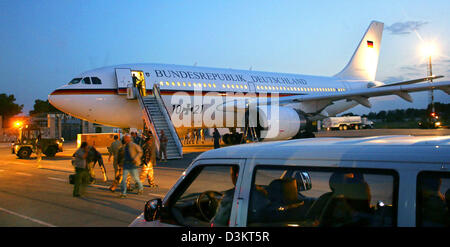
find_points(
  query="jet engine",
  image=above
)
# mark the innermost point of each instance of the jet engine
(279, 123)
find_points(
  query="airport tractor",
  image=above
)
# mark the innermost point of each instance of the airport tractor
(27, 142)
(432, 121)
(347, 122)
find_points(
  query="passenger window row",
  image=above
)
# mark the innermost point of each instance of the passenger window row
(86, 80)
(300, 89)
(201, 85)
(241, 86)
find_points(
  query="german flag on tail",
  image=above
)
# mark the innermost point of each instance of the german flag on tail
(369, 44)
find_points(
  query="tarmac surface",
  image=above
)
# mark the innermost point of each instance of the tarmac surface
(32, 196)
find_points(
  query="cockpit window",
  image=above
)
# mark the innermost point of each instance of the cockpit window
(75, 81)
(96, 80)
(87, 80)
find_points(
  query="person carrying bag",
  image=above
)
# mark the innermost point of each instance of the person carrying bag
(81, 172)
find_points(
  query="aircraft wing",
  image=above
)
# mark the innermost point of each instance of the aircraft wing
(413, 81)
(359, 95)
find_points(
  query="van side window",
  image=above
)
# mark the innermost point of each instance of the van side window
(96, 80)
(198, 202)
(86, 80)
(329, 197)
(433, 199)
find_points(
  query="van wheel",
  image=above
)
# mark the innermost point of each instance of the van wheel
(356, 127)
(344, 127)
(340, 127)
(24, 153)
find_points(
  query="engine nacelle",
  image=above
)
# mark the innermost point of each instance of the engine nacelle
(279, 123)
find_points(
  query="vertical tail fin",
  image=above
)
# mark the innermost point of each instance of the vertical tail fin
(364, 62)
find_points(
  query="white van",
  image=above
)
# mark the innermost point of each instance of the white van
(375, 181)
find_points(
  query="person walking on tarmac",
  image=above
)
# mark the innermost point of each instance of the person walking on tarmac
(190, 136)
(195, 138)
(101, 164)
(186, 138)
(149, 160)
(163, 146)
(39, 150)
(216, 137)
(118, 176)
(81, 173)
(132, 158)
(136, 138)
(113, 150)
(94, 157)
(202, 135)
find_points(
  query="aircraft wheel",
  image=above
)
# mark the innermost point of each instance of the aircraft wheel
(50, 152)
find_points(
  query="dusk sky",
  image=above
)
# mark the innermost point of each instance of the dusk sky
(44, 44)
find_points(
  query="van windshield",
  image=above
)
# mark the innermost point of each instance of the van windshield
(75, 81)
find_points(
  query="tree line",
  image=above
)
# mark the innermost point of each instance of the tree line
(9, 108)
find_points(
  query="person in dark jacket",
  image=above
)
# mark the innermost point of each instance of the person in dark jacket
(132, 159)
(149, 160)
(93, 158)
(136, 138)
(119, 174)
(163, 146)
(81, 173)
(433, 208)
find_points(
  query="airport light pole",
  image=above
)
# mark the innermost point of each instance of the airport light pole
(430, 69)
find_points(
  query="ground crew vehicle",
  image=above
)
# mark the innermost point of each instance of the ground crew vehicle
(346, 122)
(433, 121)
(374, 181)
(27, 143)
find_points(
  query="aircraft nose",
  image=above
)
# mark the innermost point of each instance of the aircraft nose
(51, 98)
(55, 100)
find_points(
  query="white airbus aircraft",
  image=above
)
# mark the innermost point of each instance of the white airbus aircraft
(100, 95)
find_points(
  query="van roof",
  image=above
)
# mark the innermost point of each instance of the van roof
(412, 149)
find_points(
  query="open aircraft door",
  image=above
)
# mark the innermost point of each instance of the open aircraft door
(124, 79)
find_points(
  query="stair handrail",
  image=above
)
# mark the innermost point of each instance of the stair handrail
(148, 119)
(157, 94)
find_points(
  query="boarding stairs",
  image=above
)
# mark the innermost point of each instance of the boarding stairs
(156, 119)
